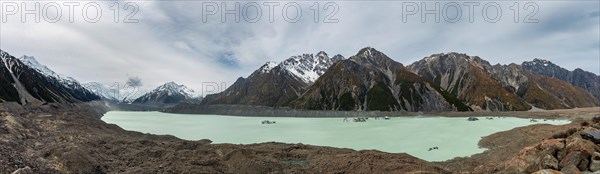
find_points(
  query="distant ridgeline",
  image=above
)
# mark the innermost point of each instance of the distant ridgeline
(367, 81)
(372, 81)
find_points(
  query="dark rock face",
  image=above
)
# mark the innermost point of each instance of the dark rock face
(588, 81)
(168, 94)
(272, 88)
(371, 81)
(32, 86)
(7, 91)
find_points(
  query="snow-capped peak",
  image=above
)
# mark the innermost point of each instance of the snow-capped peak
(33, 63)
(103, 91)
(170, 92)
(174, 88)
(431, 58)
(366, 52)
(268, 67)
(537, 61)
(306, 67)
(43, 69)
(322, 54)
(542, 61)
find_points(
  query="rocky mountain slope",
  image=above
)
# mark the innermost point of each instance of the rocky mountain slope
(469, 78)
(276, 84)
(24, 80)
(371, 80)
(541, 91)
(578, 77)
(169, 93)
(500, 87)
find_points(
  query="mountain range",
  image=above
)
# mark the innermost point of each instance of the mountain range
(578, 77)
(24, 80)
(500, 87)
(367, 81)
(372, 81)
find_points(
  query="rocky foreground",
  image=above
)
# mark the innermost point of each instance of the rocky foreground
(71, 138)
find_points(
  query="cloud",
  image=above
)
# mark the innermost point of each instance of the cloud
(172, 42)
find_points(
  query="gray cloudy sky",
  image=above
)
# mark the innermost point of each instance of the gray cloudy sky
(171, 41)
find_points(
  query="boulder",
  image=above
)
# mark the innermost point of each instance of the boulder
(573, 158)
(570, 169)
(574, 143)
(472, 119)
(537, 157)
(595, 162)
(549, 162)
(551, 146)
(591, 134)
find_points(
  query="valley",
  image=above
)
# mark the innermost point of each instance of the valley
(529, 120)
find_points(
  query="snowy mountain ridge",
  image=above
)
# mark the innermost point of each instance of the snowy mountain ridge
(31, 82)
(174, 88)
(169, 93)
(307, 67)
(43, 69)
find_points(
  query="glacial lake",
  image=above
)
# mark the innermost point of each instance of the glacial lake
(454, 137)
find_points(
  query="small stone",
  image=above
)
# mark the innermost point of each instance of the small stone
(570, 169)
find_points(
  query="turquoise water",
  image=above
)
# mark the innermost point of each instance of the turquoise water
(454, 137)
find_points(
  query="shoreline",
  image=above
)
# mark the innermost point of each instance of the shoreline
(428, 115)
(263, 111)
